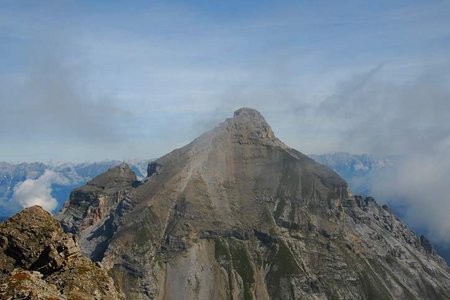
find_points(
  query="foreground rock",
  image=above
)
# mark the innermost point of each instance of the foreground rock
(39, 261)
(237, 214)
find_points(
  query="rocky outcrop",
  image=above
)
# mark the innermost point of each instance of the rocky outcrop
(39, 261)
(237, 214)
(93, 210)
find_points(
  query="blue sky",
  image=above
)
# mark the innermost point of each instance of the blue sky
(90, 80)
(97, 80)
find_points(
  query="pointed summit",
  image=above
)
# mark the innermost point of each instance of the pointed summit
(248, 112)
(249, 127)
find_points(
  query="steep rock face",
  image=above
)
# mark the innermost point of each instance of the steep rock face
(236, 214)
(39, 261)
(90, 208)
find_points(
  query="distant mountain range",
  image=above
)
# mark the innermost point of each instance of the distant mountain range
(359, 170)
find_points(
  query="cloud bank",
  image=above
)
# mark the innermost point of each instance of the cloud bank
(37, 192)
(373, 115)
(420, 187)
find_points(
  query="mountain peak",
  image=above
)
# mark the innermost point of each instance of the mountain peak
(248, 112)
(237, 214)
(248, 126)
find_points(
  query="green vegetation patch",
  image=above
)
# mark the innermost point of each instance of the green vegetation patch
(222, 252)
(242, 264)
(223, 257)
(232, 254)
(283, 265)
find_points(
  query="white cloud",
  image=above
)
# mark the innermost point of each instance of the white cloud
(37, 191)
(371, 115)
(420, 186)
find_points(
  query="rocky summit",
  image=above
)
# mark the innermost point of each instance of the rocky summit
(237, 214)
(39, 261)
